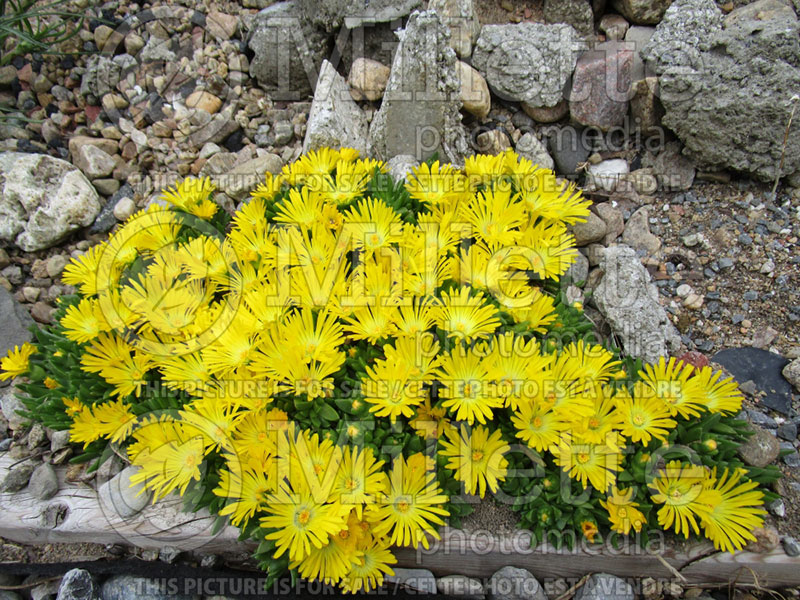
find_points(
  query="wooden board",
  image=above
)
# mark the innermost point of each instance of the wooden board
(85, 518)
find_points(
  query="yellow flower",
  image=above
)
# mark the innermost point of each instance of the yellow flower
(589, 530)
(718, 395)
(464, 316)
(368, 568)
(644, 416)
(15, 363)
(495, 216)
(672, 384)
(678, 488)
(430, 422)
(537, 425)
(622, 511)
(595, 464)
(478, 458)
(193, 196)
(85, 321)
(466, 386)
(247, 489)
(434, 184)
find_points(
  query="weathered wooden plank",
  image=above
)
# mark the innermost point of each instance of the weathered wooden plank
(770, 569)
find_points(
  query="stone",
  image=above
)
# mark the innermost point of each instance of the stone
(790, 546)
(673, 171)
(335, 119)
(761, 449)
(55, 265)
(579, 270)
(577, 13)
(43, 483)
(767, 539)
(512, 583)
(527, 62)
(417, 117)
(17, 477)
(592, 230)
(133, 43)
(475, 96)
(792, 373)
(77, 584)
(460, 18)
(401, 166)
(646, 109)
(119, 498)
(637, 37)
(492, 142)
(726, 85)
(642, 12)
(602, 586)
(606, 175)
(762, 368)
(221, 25)
(124, 208)
(287, 51)
(461, 587)
(11, 408)
(328, 15)
(284, 132)
(129, 587)
(416, 581)
(570, 149)
(614, 26)
(529, 146)
(202, 100)
(629, 302)
(42, 200)
(601, 86)
(106, 219)
(42, 312)
(16, 323)
(612, 217)
(101, 76)
(546, 114)
(59, 440)
(76, 143)
(777, 508)
(368, 79)
(239, 181)
(93, 162)
(637, 232)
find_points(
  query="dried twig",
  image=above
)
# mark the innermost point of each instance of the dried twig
(671, 569)
(571, 591)
(793, 101)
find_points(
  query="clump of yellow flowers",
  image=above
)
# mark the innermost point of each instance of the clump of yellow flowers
(327, 368)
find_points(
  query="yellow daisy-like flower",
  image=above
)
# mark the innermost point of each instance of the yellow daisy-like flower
(15, 363)
(85, 321)
(718, 395)
(678, 488)
(369, 568)
(467, 388)
(589, 530)
(430, 422)
(622, 511)
(644, 416)
(464, 316)
(537, 425)
(478, 458)
(592, 464)
(672, 382)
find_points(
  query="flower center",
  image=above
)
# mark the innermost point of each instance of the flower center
(403, 506)
(583, 457)
(477, 455)
(303, 517)
(638, 419)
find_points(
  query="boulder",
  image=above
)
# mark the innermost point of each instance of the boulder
(42, 200)
(601, 86)
(16, 321)
(401, 165)
(512, 583)
(606, 174)
(93, 162)
(629, 302)
(44, 482)
(335, 119)
(602, 586)
(672, 170)
(367, 79)
(592, 230)
(760, 449)
(726, 84)
(577, 13)
(614, 26)
(239, 181)
(475, 96)
(77, 584)
(329, 15)
(460, 17)
(642, 12)
(529, 146)
(419, 114)
(287, 51)
(528, 62)
(637, 232)
(570, 147)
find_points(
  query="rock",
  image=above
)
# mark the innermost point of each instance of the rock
(546, 114)
(790, 546)
(335, 119)
(417, 581)
(76, 144)
(761, 449)
(493, 142)
(693, 301)
(401, 165)
(642, 12)
(284, 132)
(117, 497)
(777, 508)
(133, 43)
(77, 584)
(606, 175)
(511, 583)
(578, 270)
(101, 76)
(672, 171)
(93, 162)
(169, 554)
(16, 322)
(475, 96)
(8, 74)
(202, 100)
(221, 127)
(764, 369)
(17, 477)
(612, 217)
(331, 14)
(764, 336)
(106, 187)
(416, 117)
(43, 483)
(593, 230)
(238, 182)
(128, 587)
(629, 302)
(124, 208)
(602, 586)
(59, 440)
(637, 37)
(600, 86)
(46, 590)
(646, 108)
(287, 51)
(767, 539)
(637, 232)
(461, 587)
(726, 90)
(459, 16)
(42, 200)
(792, 373)
(531, 148)
(614, 26)
(368, 79)
(570, 148)
(222, 26)
(107, 217)
(527, 62)
(577, 13)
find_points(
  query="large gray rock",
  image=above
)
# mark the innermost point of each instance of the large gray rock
(287, 51)
(726, 86)
(528, 146)
(331, 14)
(77, 584)
(44, 482)
(419, 114)
(241, 179)
(642, 12)
(577, 13)
(602, 586)
(460, 17)
(511, 583)
(42, 200)
(761, 448)
(527, 62)
(792, 373)
(629, 302)
(129, 587)
(335, 119)
(16, 320)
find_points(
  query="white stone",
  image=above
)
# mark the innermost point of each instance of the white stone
(606, 175)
